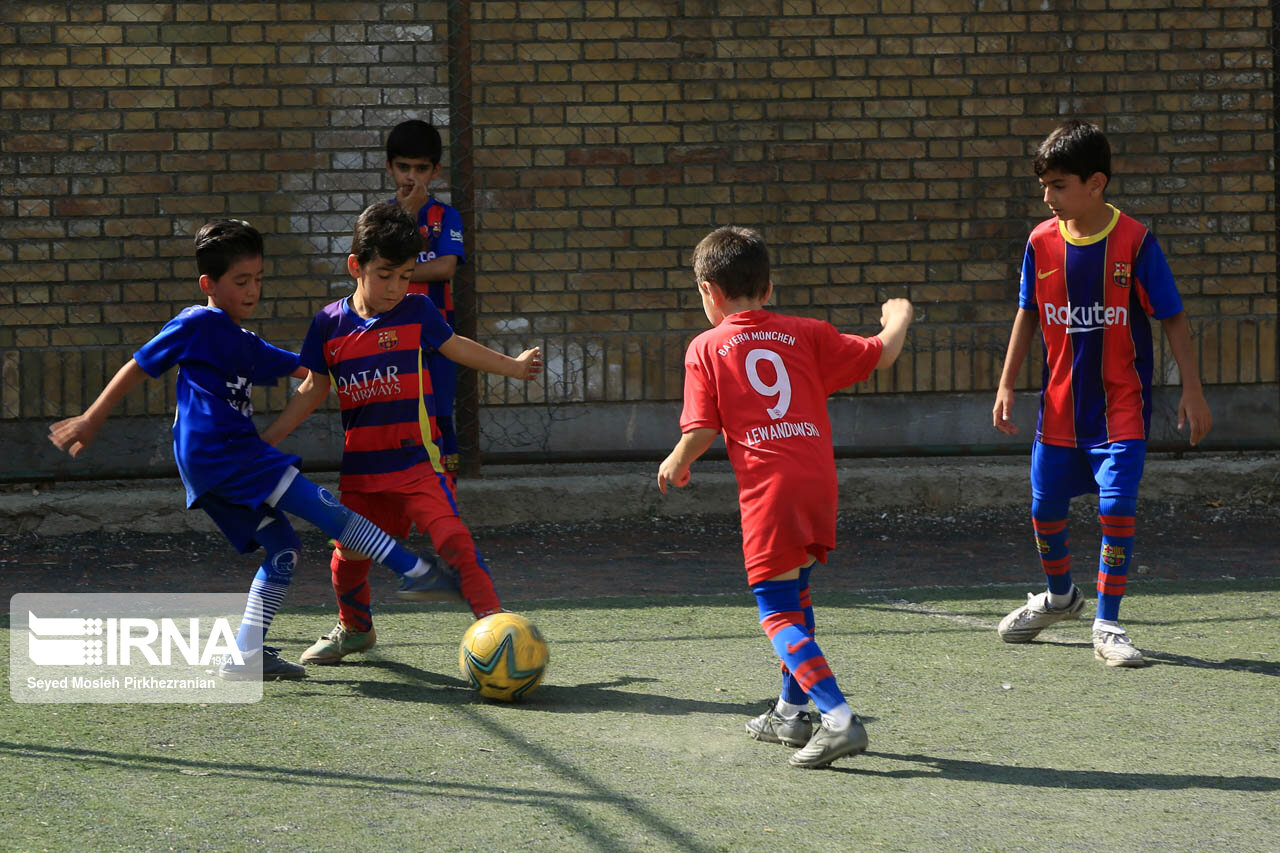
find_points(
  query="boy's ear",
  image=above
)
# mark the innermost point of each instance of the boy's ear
(353, 266)
(768, 292)
(435, 172)
(1097, 182)
(206, 284)
(711, 289)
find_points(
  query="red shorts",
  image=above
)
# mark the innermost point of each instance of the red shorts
(781, 563)
(428, 503)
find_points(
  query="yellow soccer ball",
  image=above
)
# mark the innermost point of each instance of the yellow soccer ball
(504, 656)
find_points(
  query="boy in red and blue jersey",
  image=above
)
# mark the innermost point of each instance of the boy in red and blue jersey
(1090, 278)
(414, 152)
(762, 380)
(371, 347)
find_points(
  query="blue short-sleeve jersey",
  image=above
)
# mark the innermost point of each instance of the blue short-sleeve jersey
(219, 362)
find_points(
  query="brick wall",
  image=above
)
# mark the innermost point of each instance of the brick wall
(881, 145)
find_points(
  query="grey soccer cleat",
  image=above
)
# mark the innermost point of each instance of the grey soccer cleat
(827, 745)
(274, 667)
(1116, 649)
(772, 727)
(1023, 624)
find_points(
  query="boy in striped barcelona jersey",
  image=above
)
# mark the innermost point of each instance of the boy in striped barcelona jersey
(414, 152)
(371, 347)
(1090, 278)
(762, 380)
(243, 483)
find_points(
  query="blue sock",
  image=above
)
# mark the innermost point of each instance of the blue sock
(317, 505)
(1117, 516)
(266, 593)
(782, 618)
(1049, 519)
(792, 693)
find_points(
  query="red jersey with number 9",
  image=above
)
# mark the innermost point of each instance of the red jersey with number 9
(762, 379)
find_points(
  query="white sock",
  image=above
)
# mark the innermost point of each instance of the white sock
(1108, 626)
(418, 570)
(786, 710)
(839, 718)
(1059, 601)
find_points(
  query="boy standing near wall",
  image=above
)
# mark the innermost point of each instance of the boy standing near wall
(414, 152)
(1090, 278)
(762, 379)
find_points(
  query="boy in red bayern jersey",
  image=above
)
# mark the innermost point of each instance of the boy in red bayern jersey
(372, 347)
(762, 379)
(1090, 278)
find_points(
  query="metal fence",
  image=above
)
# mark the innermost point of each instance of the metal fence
(882, 146)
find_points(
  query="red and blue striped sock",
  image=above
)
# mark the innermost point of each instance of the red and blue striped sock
(1049, 520)
(1118, 517)
(782, 617)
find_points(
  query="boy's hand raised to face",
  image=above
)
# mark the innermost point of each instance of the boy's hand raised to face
(412, 199)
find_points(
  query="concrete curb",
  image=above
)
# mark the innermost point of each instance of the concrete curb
(508, 495)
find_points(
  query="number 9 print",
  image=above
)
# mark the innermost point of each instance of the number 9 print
(781, 387)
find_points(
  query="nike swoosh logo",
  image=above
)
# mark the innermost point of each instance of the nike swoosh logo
(792, 648)
(1043, 275)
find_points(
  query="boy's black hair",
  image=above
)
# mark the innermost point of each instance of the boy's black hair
(414, 138)
(222, 242)
(385, 231)
(736, 260)
(1075, 147)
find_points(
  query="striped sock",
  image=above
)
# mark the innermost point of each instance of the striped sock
(793, 694)
(1118, 517)
(1049, 520)
(271, 582)
(317, 505)
(782, 618)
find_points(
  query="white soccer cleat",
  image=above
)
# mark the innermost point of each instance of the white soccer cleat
(1023, 624)
(1115, 648)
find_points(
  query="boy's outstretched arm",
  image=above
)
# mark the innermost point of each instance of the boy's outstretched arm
(895, 317)
(311, 393)
(468, 353)
(1193, 406)
(75, 434)
(1024, 328)
(674, 469)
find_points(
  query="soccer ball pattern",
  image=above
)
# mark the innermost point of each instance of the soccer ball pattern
(504, 656)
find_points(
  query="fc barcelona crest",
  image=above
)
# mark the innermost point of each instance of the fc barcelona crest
(1121, 274)
(387, 339)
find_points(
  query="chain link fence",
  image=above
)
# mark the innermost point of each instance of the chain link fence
(882, 146)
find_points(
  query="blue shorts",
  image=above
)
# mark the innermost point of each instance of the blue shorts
(1110, 471)
(239, 508)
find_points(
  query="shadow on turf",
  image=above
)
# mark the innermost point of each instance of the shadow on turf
(421, 685)
(1255, 667)
(1048, 777)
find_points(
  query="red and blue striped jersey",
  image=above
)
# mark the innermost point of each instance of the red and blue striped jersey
(1094, 295)
(440, 225)
(384, 390)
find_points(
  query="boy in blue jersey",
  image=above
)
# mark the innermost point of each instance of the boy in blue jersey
(1090, 278)
(244, 484)
(414, 151)
(371, 348)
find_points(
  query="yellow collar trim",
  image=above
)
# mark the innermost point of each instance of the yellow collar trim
(1092, 238)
